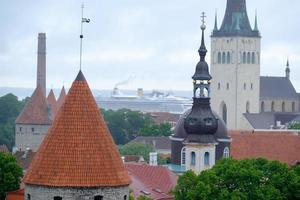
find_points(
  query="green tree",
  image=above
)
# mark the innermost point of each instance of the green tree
(10, 174)
(294, 126)
(163, 129)
(10, 108)
(249, 179)
(138, 149)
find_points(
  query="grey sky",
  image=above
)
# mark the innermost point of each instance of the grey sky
(152, 43)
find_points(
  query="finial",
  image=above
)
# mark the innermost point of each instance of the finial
(83, 20)
(216, 22)
(255, 23)
(287, 63)
(202, 50)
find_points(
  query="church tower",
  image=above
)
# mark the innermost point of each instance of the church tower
(235, 65)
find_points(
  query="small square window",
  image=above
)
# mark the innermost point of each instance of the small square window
(32, 129)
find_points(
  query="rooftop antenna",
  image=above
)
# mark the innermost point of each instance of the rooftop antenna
(83, 20)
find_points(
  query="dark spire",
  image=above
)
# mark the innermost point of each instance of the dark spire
(80, 76)
(236, 21)
(287, 69)
(255, 23)
(216, 22)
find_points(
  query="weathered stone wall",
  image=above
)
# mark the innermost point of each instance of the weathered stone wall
(288, 105)
(30, 136)
(69, 193)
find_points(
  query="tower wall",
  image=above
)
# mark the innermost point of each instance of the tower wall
(41, 62)
(72, 193)
(235, 68)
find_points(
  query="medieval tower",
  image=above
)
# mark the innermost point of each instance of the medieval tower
(41, 62)
(235, 65)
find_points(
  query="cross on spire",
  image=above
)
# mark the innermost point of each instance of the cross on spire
(203, 21)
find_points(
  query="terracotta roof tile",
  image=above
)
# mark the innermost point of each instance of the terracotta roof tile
(52, 103)
(61, 98)
(282, 146)
(15, 195)
(78, 150)
(36, 110)
(24, 158)
(156, 180)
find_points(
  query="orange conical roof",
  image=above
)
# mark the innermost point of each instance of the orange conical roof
(78, 150)
(61, 98)
(52, 102)
(36, 110)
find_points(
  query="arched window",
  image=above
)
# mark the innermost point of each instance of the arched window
(248, 58)
(98, 197)
(283, 107)
(258, 58)
(262, 107)
(28, 197)
(248, 107)
(219, 86)
(183, 156)
(206, 159)
(226, 152)
(223, 58)
(244, 57)
(228, 58)
(273, 106)
(293, 107)
(125, 197)
(253, 58)
(57, 198)
(193, 158)
(227, 86)
(224, 113)
(245, 86)
(197, 92)
(219, 58)
(251, 86)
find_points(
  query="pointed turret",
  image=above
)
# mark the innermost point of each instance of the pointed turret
(52, 103)
(287, 69)
(78, 152)
(216, 23)
(61, 98)
(236, 21)
(255, 23)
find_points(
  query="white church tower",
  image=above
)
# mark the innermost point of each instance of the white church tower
(235, 65)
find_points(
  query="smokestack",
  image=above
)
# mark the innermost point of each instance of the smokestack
(41, 62)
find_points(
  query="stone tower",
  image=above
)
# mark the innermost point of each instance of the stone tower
(235, 65)
(41, 62)
(78, 159)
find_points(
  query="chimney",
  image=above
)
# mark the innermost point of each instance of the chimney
(41, 62)
(153, 158)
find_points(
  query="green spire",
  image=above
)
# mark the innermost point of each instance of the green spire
(216, 22)
(255, 24)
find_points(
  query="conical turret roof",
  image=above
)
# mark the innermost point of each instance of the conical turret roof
(52, 102)
(36, 110)
(61, 98)
(78, 150)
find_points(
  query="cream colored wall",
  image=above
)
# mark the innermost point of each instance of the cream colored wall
(278, 105)
(236, 73)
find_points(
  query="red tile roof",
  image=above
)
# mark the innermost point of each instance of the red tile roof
(78, 150)
(156, 180)
(52, 102)
(24, 158)
(62, 97)
(282, 146)
(15, 195)
(36, 110)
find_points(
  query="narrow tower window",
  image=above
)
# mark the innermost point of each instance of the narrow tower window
(293, 107)
(248, 58)
(245, 86)
(248, 107)
(244, 57)
(262, 107)
(193, 158)
(223, 58)
(272, 106)
(183, 156)
(228, 58)
(28, 197)
(206, 159)
(283, 107)
(226, 152)
(224, 113)
(253, 58)
(219, 58)
(227, 86)
(219, 86)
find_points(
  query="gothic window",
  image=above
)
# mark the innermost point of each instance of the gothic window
(248, 107)
(183, 156)
(227, 86)
(193, 158)
(228, 58)
(28, 197)
(251, 86)
(219, 86)
(57, 198)
(283, 107)
(219, 57)
(248, 58)
(272, 106)
(253, 58)
(245, 86)
(226, 152)
(293, 106)
(223, 58)
(98, 197)
(206, 159)
(262, 107)
(224, 113)
(244, 57)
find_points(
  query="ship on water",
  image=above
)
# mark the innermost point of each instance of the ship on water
(154, 101)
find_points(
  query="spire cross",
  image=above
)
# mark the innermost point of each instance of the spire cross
(203, 18)
(83, 20)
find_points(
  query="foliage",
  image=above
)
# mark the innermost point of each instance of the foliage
(163, 129)
(10, 108)
(125, 124)
(10, 174)
(294, 126)
(144, 198)
(138, 149)
(249, 179)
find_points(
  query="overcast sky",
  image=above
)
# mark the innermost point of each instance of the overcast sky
(151, 43)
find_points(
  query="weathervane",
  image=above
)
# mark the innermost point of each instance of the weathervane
(83, 20)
